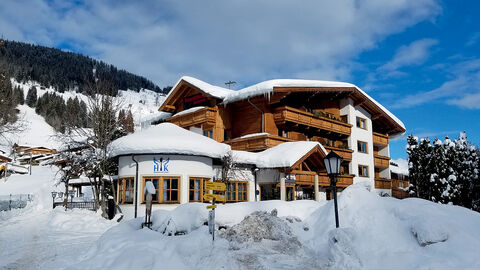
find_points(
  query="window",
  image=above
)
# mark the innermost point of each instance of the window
(126, 188)
(362, 147)
(196, 189)
(155, 182)
(208, 133)
(170, 190)
(362, 170)
(225, 135)
(236, 192)
(167, 189)
(361, 123)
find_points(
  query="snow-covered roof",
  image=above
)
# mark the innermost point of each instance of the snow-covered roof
(399, 166)
(267, 87)
(167, 138)
(215, 91)
(193, 109)
(283, 155)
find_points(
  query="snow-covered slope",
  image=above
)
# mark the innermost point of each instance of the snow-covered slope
(37, 132)
(375, 233)
(142, 103)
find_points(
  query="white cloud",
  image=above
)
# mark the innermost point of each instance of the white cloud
(469, 101)
(462, 90)
(217, 40)
(416, 53)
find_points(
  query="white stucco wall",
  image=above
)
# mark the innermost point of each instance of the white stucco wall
(181, 166)
(359, 134)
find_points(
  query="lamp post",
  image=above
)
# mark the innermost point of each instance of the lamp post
(71, 193)
(332, 164)
(54, 194)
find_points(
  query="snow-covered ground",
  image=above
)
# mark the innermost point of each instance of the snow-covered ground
(39, 237)
(375, 233)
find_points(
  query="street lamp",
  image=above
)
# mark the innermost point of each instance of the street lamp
(54, 194)
(332, 164)
(71, 193)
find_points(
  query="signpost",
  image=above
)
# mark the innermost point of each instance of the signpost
(213, 197)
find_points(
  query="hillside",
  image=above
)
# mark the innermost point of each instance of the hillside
(66, 71)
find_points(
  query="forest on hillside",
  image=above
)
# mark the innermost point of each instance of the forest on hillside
(66, 70)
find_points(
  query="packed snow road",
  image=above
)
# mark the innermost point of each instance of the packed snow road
(34, 238)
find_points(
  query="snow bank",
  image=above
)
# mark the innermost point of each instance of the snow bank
(397, 234)
(375, 233)
(167, 138)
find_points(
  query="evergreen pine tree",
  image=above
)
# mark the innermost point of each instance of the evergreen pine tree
(31, 97)
(129, 125)
(437, 169)
(413, 165)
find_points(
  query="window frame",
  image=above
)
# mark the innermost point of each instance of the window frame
(361, 143)
(361, 168)
(202, 185)
(208, 133)
(160, 190)
(122, 190)
(360, 120)
(236, 191)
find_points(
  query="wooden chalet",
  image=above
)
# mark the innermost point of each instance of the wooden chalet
(340, 116)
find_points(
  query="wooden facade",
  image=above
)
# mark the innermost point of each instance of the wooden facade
(286, 114)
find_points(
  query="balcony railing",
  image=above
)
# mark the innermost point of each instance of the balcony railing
(380, 139)
(202, 116)
(343, 180)
(381, 161)
(257, 143)
(383, 183)
(399, 193)
(345, 153)
(289, 114)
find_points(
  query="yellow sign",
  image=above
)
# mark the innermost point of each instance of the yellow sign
(211, 206)
(215, 186)
(209, 197)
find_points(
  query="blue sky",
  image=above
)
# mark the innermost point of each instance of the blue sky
(419, 58)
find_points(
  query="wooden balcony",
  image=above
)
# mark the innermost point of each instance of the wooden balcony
(399, 193)
(346, 154)
(380, 139)
(202, 116)
(256, 143)
(323, 179)
(286, 114)
(383, 183)
(381, 161)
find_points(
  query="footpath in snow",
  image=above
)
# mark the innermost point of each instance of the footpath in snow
(39, 237)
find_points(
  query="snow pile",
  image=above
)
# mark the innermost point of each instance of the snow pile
(262, 226)
(375, 233)
(167, 138)
(403, 234)
(184, 219)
